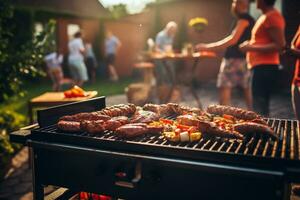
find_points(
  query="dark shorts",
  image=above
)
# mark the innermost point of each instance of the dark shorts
(110, 59)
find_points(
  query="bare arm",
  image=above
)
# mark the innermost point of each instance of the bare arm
(230, 40)
(294, 50)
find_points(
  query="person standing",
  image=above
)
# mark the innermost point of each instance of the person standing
(91, 62)
(267, 41)
(233, 70)
(112, 46)
(295, 51)
(77, 66)
(164, 45)
(53, 62)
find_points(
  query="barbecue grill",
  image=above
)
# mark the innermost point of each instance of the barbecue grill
(152, 168)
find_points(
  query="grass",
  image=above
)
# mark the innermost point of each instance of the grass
(33, 89)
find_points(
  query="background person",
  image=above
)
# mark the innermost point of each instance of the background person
(91, 62)
(112, 46)
(295, 50)
(77, 66)
(53, 62)
(267, 41)
(233, 70)
(164, 44)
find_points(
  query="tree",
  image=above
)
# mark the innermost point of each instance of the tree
(118, 11)
(20, 54)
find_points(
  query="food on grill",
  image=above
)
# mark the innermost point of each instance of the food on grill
(235, 112)
(180, 109)
(212, 129)
(132, 130)
(85, 116)
(69, 126)
(130, 121)
(188, 119)
(143, 116)
(116, 122)
(119, 110)
(162, 110)
(176, 132)
(93, 127)
(251, 127)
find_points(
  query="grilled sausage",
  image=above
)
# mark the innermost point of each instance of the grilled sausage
(93, 127)
(131, 130)
(118, 110)
(236, 112)
(85, 116)
(251, 127)
(211, 129)
(69, 126)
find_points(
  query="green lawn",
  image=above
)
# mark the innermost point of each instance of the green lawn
(104, 88)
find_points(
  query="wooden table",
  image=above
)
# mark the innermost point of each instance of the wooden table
(49, 99)
(195, 57)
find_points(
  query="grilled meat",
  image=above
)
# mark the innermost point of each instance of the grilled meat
(93, 127)
(132, 130)
(119, 110)
(188, 119)
(69, 126)
(211, 129)
(236, 112)
(85, 116)
(180, 110)
(116, 122)
(251, 127)
(162, 110)
(143, 116)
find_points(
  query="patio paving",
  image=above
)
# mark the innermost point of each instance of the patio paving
(18, 180)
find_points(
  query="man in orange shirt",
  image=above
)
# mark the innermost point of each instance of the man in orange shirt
(267, 41)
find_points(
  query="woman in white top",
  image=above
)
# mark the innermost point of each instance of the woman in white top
(76, 60)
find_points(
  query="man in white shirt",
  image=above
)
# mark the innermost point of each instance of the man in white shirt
(76, 60)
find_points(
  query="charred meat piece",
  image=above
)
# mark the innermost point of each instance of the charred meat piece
(236, 112)
(143, 116)
(112, 125)
(260, 121)
(85, 116)
(251, 127)
(211, 129)
(116, 122)
(93, 127)
(69, 126)
(162, 110)
(131, 130)
(118, 110)
(188, 120)
(180, 109)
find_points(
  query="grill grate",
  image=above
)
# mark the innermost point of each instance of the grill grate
(287, 147)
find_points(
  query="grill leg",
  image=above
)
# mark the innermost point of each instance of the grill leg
(38, 189)
(287, 191)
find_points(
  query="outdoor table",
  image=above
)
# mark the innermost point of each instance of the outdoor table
(147, 68)
(195, 57)
(54, 99)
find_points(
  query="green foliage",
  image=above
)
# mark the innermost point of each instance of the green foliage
(118, 11)
(9, 121)
(20, 53)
